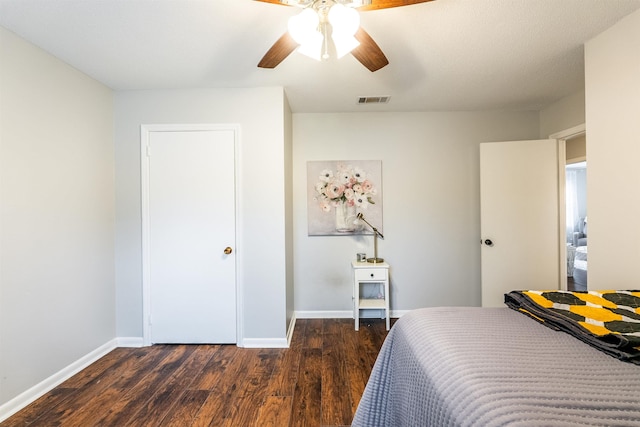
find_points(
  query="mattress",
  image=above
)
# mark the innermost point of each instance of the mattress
(470, 366)
(580, 259)
(580, 268)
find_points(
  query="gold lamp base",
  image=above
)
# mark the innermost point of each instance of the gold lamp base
(375, 260)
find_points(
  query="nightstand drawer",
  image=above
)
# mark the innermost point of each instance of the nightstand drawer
(371, 274)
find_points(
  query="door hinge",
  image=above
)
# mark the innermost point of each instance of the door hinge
(148, 150)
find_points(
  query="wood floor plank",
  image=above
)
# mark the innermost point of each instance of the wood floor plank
(357, 364)
(245, 410)
(164, 397)
(275, 412)
(313, 335)
(336, 404)
(285, 372)
(306, 405)
(132, 400)
(215, 368)
(41, 407)
(216, 409)
(96, 369)
(186, 408)
(93, 399)
(211, 410)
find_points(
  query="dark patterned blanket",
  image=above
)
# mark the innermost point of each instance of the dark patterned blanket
(606, 320)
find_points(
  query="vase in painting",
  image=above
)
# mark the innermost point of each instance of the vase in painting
(345, 218)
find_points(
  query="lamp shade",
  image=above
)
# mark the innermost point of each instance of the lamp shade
(344, 19)
(344, 23)
(303, 28)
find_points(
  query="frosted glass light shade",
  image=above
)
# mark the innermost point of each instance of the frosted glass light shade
(344, 23)
(312, 46)
(303, 25)
(343, 19)
(344, 44)
(303, 28)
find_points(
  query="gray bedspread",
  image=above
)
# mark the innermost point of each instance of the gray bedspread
(471, 366)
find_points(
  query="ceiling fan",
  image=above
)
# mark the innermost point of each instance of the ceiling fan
(310, 32)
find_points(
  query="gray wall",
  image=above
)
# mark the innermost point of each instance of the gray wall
(56, 216)
(431, 204)
(563, 114)
(261, 253)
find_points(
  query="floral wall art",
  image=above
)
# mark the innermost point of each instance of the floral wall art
(338, 191)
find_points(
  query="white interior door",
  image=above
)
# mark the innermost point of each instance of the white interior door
(519, 217)
(191, 223)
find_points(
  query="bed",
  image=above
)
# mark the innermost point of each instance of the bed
(580, 268)
(470, 366)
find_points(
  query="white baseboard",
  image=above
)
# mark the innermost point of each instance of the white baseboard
(130, 342)
(396, 314)
(343, 314)
(265, 343)
(324, 314)
(30, 395)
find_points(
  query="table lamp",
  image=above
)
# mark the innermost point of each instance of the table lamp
(376, 233)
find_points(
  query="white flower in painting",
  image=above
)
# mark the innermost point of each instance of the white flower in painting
(348, 185)
(361, 200)
(326, 175)
(325, 205)
(359, 174)
(345, 178)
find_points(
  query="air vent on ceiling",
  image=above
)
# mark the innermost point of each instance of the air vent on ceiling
(373, 99)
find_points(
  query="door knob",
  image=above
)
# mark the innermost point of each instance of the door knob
(227, 250)
(488, 242)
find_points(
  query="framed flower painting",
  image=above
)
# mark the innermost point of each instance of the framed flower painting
(338, 190)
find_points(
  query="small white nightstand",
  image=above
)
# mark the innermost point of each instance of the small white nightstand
(370, 288)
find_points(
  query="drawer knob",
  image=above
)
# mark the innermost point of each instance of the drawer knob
(371, 274)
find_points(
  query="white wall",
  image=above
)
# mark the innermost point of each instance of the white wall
(288, 189)
(261, 252)
(431, 205)
(563, 114)
(613, 148)
(56, 216)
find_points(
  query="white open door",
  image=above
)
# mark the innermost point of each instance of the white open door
(519, 207)
(189, 235)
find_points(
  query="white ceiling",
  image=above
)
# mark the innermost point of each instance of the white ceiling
(444, 55)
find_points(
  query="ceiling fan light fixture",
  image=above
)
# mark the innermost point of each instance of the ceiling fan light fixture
(344, 25)
(303, 25)
(343, 19)
(344, 44)
(303, 28)
(312, 47)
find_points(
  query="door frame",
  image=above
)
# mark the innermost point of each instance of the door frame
(562, 138)
(145, 131)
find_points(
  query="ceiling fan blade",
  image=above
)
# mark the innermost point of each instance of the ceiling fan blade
(386, 4)
(369, 53)
(278, 52)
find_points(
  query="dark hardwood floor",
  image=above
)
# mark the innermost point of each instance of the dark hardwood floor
(318, 381)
